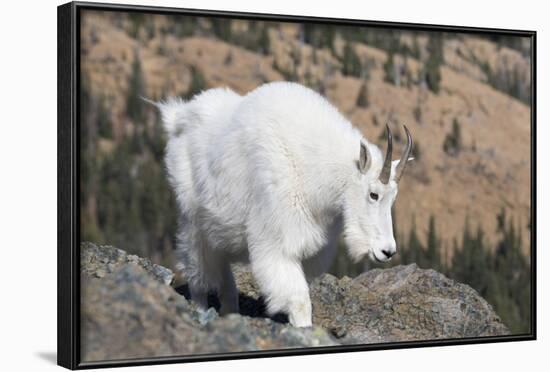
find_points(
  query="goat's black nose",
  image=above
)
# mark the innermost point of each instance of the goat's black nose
(388, 254)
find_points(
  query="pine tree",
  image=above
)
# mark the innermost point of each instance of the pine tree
(89, 164)
(389, 69)
(184, 26)
(416, 252)
(135, 108)
(417, 113)
(105, 128)
(351, 63)
(221, 27)
(452, 144)
(513, 300)
(318, 36)
(136, 21)
(461, 262)
(415, 51)
(433, 246)
(197, 85)
(501, 276)
(228, 59)
(264, 42)
(363, 97)
(433, 64)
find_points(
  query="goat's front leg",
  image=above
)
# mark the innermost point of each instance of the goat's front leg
(284, 285)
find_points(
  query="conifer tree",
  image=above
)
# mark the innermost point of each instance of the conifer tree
(433, 64)
(416, 251)
(363, 97)
(197, 85)
(135, 108)
(221, 27)
(104, 124)
(389, 69)
(351, 63)
(415, 50)
(264, 43)
(433, 246)
(452, 144)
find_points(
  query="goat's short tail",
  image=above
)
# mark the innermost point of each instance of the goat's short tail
(170, 110)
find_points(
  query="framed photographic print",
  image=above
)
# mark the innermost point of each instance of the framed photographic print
(237, 185)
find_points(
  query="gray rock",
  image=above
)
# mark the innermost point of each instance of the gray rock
(204, 317)
(130, 311)
(402, 303)
(99, 260)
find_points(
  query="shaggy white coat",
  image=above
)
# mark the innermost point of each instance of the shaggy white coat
(271, 178)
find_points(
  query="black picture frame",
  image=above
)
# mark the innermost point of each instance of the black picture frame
(68, 72)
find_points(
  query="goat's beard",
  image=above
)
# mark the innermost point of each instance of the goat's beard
(357, 247)
(357, 232)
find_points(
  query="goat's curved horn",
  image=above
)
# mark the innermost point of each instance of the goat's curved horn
(405, 157)
(386, 168)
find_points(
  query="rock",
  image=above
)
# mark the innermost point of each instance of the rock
(204, 317)
(128, 311)
(97, 261)
(127, 301)
(402, 303)
(129, 314)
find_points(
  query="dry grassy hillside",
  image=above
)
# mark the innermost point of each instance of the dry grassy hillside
(491, 171)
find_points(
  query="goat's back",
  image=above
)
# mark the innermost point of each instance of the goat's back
(268, 151)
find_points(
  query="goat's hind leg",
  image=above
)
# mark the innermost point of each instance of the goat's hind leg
(190, 255)
(227, 290)
(217, 275)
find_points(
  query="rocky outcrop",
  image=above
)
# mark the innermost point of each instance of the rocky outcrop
(98, 261)
(402, 303)
(129, 310)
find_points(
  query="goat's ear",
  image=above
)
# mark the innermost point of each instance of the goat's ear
(364, 158)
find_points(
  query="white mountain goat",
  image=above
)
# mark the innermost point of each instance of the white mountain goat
(272, 178)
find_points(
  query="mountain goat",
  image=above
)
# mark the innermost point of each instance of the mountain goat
(273, 178)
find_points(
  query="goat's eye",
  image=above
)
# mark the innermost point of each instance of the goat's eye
(373, 196)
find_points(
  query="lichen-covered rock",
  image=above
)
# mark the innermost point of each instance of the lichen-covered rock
(129, 311)
(100, 260)
(402, 303)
